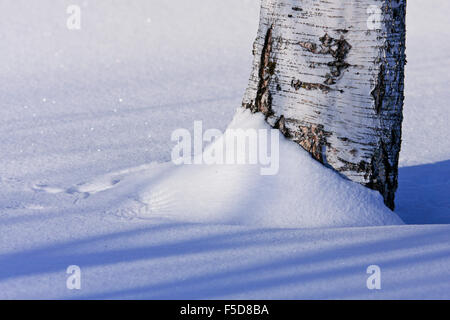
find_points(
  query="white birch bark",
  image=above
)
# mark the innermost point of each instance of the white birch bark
(333, 85)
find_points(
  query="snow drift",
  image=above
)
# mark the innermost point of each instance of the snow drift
(303, 194)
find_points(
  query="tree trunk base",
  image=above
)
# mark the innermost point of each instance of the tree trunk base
(333, 84)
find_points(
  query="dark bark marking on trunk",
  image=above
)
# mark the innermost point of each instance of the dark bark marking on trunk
(297, 84)
(337, 48)
(383, 176)
(362, 166)
(313, 139)
(281, 125)
(379, 91)
(263, 101)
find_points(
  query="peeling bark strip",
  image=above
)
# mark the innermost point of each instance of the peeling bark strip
(332, 85)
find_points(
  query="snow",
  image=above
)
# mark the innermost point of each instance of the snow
(86, 118)
(299, 194)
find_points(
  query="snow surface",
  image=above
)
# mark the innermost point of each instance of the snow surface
(302, 193)
(85, 121)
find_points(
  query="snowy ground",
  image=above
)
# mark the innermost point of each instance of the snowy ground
(78, 109)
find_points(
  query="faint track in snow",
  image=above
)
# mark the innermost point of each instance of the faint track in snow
(103, 183)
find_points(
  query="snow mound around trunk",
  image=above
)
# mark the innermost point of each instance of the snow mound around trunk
(303, 193)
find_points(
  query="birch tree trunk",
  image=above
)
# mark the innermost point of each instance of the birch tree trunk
(331, 78)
